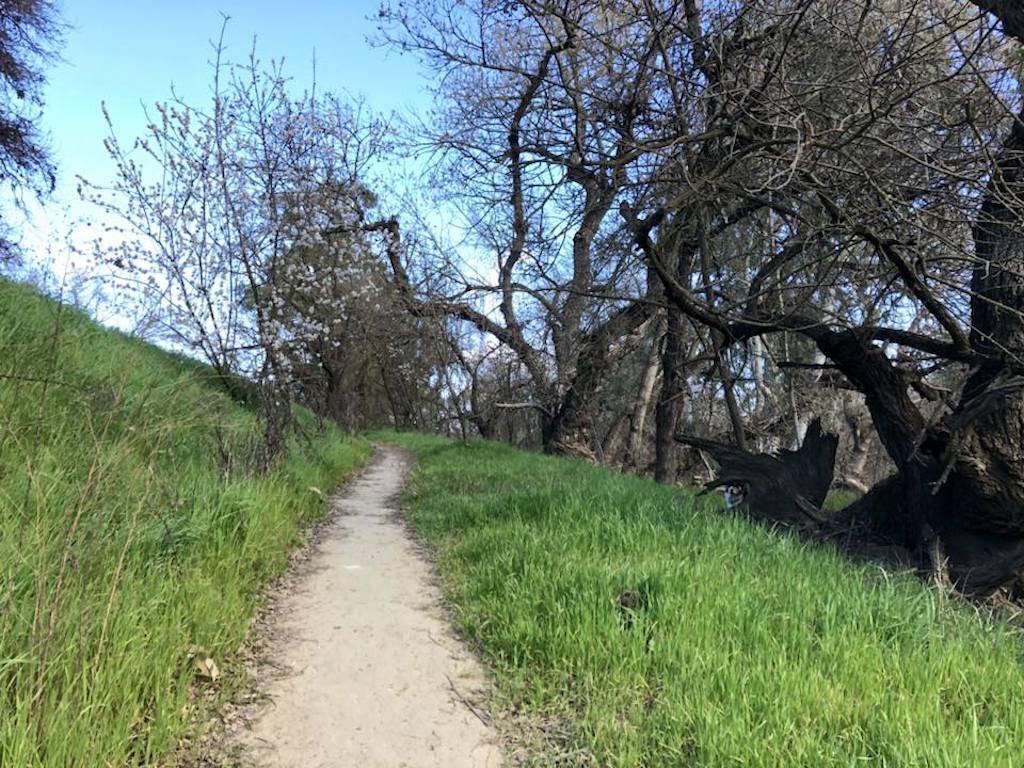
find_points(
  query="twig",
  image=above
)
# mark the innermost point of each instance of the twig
(469, 705)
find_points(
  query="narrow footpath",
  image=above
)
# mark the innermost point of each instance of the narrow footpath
(372, 675)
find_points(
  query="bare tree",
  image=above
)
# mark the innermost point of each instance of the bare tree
(238, 216)
(534, 147)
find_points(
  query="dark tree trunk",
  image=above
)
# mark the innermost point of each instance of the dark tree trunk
(484, 421)
(959, 495)
(670, 399)
(275, 422)
(335, 395)
(981, 514)
(679, 246)
(569, 428)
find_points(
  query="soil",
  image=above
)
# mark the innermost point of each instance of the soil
(367, 671)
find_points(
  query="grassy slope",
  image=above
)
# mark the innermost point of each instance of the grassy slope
(123, 542)
(755, 650)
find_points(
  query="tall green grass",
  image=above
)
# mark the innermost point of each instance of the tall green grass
(745, 648)
(133, 533)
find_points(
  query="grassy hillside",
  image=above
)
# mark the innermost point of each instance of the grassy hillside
(745, 649)
(132, 534)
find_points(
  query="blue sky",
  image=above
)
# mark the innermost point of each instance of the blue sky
(130, 53)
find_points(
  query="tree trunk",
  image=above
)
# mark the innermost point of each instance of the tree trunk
(611, 445)
(981, 522)
(732, 406)
(483, 418)
(962, 482)
(670, 399)
(569, 430)
(643, 400)
(334, 395)
(854, 472)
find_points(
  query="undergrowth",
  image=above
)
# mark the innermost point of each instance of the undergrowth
(631, 624)
(135, 534)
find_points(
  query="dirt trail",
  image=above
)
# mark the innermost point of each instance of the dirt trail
(372, 674)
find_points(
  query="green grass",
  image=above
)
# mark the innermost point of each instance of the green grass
(836, 500)
(132, 531)
(755, 649)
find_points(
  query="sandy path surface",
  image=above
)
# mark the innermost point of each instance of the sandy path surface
(372, 675)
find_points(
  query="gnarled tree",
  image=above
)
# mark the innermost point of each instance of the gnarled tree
(868, 163)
